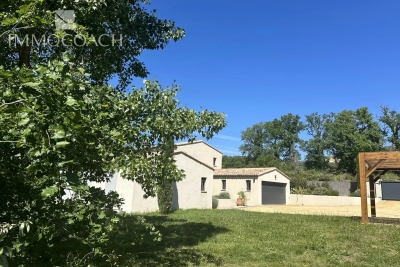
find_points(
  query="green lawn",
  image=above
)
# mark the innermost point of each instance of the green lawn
(242, 238)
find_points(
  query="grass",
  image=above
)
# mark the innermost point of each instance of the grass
(243, 238)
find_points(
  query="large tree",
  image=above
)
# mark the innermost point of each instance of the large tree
(390, 121)
(316, 147)
(276, 137)
(116, 33)
(352, 132)
(61, 127)
(291, 128)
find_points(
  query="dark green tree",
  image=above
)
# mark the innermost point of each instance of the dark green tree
(61, 127)
(125, 29)
(277, 137)
(233, 162)
(352, 132)
(316, 147)
(390, 121)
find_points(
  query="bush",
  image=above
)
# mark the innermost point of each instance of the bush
(320, 191)
(164, 197)
(300, 191)
(356, 193)
(214, 202)
(224, 195)
(296, 182)
(332, 192)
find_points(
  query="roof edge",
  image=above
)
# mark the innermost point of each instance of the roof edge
(275, 169)
(194, 159)
(196, 142)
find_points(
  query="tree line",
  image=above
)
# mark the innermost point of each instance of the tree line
(334, 136)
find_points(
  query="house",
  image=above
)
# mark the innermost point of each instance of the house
(263, 186)
(202, 151)
(204, 178)
(198, 160)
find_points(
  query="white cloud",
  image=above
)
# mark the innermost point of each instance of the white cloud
(230, 152)
(227, 137)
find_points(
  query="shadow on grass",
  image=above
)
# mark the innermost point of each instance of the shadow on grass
(177, 247)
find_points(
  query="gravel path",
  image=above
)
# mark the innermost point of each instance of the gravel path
(388, 209)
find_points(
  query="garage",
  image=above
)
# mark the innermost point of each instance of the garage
(261, 186)
(273, 193)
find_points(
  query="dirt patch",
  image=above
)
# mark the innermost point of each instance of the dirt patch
(387, 209)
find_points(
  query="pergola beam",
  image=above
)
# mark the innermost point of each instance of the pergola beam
(379, 176)
(373, 168)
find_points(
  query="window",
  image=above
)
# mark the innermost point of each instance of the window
(248, 185)
(203, 184)
(215, 162)
(223, 184)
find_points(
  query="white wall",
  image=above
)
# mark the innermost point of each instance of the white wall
(313, 200)
(140, 204)
(202, 152)
(327, 201)
(226, 203)
(187, 193)
(234, 184)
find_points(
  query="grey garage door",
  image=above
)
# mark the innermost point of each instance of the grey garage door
(390, 190)
(273, 193)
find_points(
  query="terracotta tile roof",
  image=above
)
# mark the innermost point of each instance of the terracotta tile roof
(242, 171)
(192, 158)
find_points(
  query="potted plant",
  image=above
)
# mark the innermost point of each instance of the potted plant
(241, 201)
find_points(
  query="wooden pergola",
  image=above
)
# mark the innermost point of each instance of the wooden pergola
(370, 162)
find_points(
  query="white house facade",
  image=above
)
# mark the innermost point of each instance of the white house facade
(262, 186)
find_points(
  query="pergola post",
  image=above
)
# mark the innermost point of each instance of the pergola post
(372, 195)
(363, 189)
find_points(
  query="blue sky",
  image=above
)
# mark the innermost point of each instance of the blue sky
(259, 60)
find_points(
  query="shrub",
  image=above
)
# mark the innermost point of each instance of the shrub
(320, 191)
(164, 197)
(243, 196)
(356, 193)
(300, 191)
(332, 192)
(298, 182)
(326, 185)
(224, 195)
(214, 202)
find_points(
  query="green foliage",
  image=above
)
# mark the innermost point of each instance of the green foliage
(55, 123)
(243, 196)
(61, 128)
(233, 162)
(164, 198)
(317, 146)
(302, 188)
(332, 192)
(277, 137)
(356, 193)
(129, 21)
(214, 202)
(351, 132)
(224, 195)
(390, 120)
(300, 191)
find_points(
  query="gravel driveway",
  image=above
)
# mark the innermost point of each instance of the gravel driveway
(388, 209)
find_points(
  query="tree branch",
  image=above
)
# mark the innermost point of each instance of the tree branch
(11, 103)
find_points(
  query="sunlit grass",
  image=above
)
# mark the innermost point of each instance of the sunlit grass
(243, 238)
